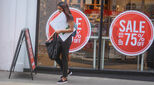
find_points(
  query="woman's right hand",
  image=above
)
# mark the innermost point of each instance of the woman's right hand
(50, 37)
(47, 40)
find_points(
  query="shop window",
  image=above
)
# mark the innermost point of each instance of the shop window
(115, 60)
(85, 57)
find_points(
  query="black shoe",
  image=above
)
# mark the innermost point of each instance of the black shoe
(62, 81)
(69, 73)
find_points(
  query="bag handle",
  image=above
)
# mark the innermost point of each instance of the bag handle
(54, 35)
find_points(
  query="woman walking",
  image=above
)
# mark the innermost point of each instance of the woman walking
(63, 46)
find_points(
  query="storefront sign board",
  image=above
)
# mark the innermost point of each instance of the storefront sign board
(131, 33)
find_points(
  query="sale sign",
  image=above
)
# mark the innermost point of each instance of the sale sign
(131, 33)
(83, 31)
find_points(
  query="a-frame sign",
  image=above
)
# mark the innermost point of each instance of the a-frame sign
(24, 34)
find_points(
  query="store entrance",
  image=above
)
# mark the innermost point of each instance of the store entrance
(83, 58)
(87, 56)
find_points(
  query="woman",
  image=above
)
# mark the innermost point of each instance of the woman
(63, 46)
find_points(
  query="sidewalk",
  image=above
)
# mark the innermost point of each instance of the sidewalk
(51, 79)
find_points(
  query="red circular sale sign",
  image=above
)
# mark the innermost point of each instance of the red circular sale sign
(131, 33)
(83, 29)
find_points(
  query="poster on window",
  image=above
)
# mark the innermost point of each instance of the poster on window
(83, 32)
(88, 1)
(131, 33)
(74, 2)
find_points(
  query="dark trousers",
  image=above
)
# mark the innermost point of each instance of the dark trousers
(63, 50)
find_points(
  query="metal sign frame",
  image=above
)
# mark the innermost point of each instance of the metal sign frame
(16, 54)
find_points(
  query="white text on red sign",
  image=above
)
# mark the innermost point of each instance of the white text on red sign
(77, 38)
(129, 29)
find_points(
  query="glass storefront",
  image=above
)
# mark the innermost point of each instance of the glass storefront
(87, 56)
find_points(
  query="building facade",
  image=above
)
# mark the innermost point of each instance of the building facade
(33, 14)
(16, 15)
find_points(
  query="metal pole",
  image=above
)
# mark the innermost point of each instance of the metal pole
(138, 62)
(103, 54)
(94, 55)
(100, 36)
(142, 62)
(37, 31)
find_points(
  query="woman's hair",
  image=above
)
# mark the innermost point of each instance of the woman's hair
(66, 11)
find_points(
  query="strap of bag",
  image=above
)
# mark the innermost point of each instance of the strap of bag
(55, 36)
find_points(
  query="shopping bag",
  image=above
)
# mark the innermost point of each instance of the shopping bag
(52, 47)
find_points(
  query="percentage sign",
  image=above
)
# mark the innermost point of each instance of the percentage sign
(141, 40)
(141, 37)
(78, 35)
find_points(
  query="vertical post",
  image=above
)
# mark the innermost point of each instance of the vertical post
(103, 52)
(142, 62)
(143, 5)
(100, 36)
(37, 31)
(138, 62)
(94, 55)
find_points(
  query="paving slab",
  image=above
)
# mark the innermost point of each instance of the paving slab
(24, 78)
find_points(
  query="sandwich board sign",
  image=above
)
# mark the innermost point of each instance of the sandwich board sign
(24, 34)
(131, 33)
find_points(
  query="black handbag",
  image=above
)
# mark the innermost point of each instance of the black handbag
(52, 47)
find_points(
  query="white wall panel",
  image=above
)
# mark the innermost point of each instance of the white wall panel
(14, 16)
